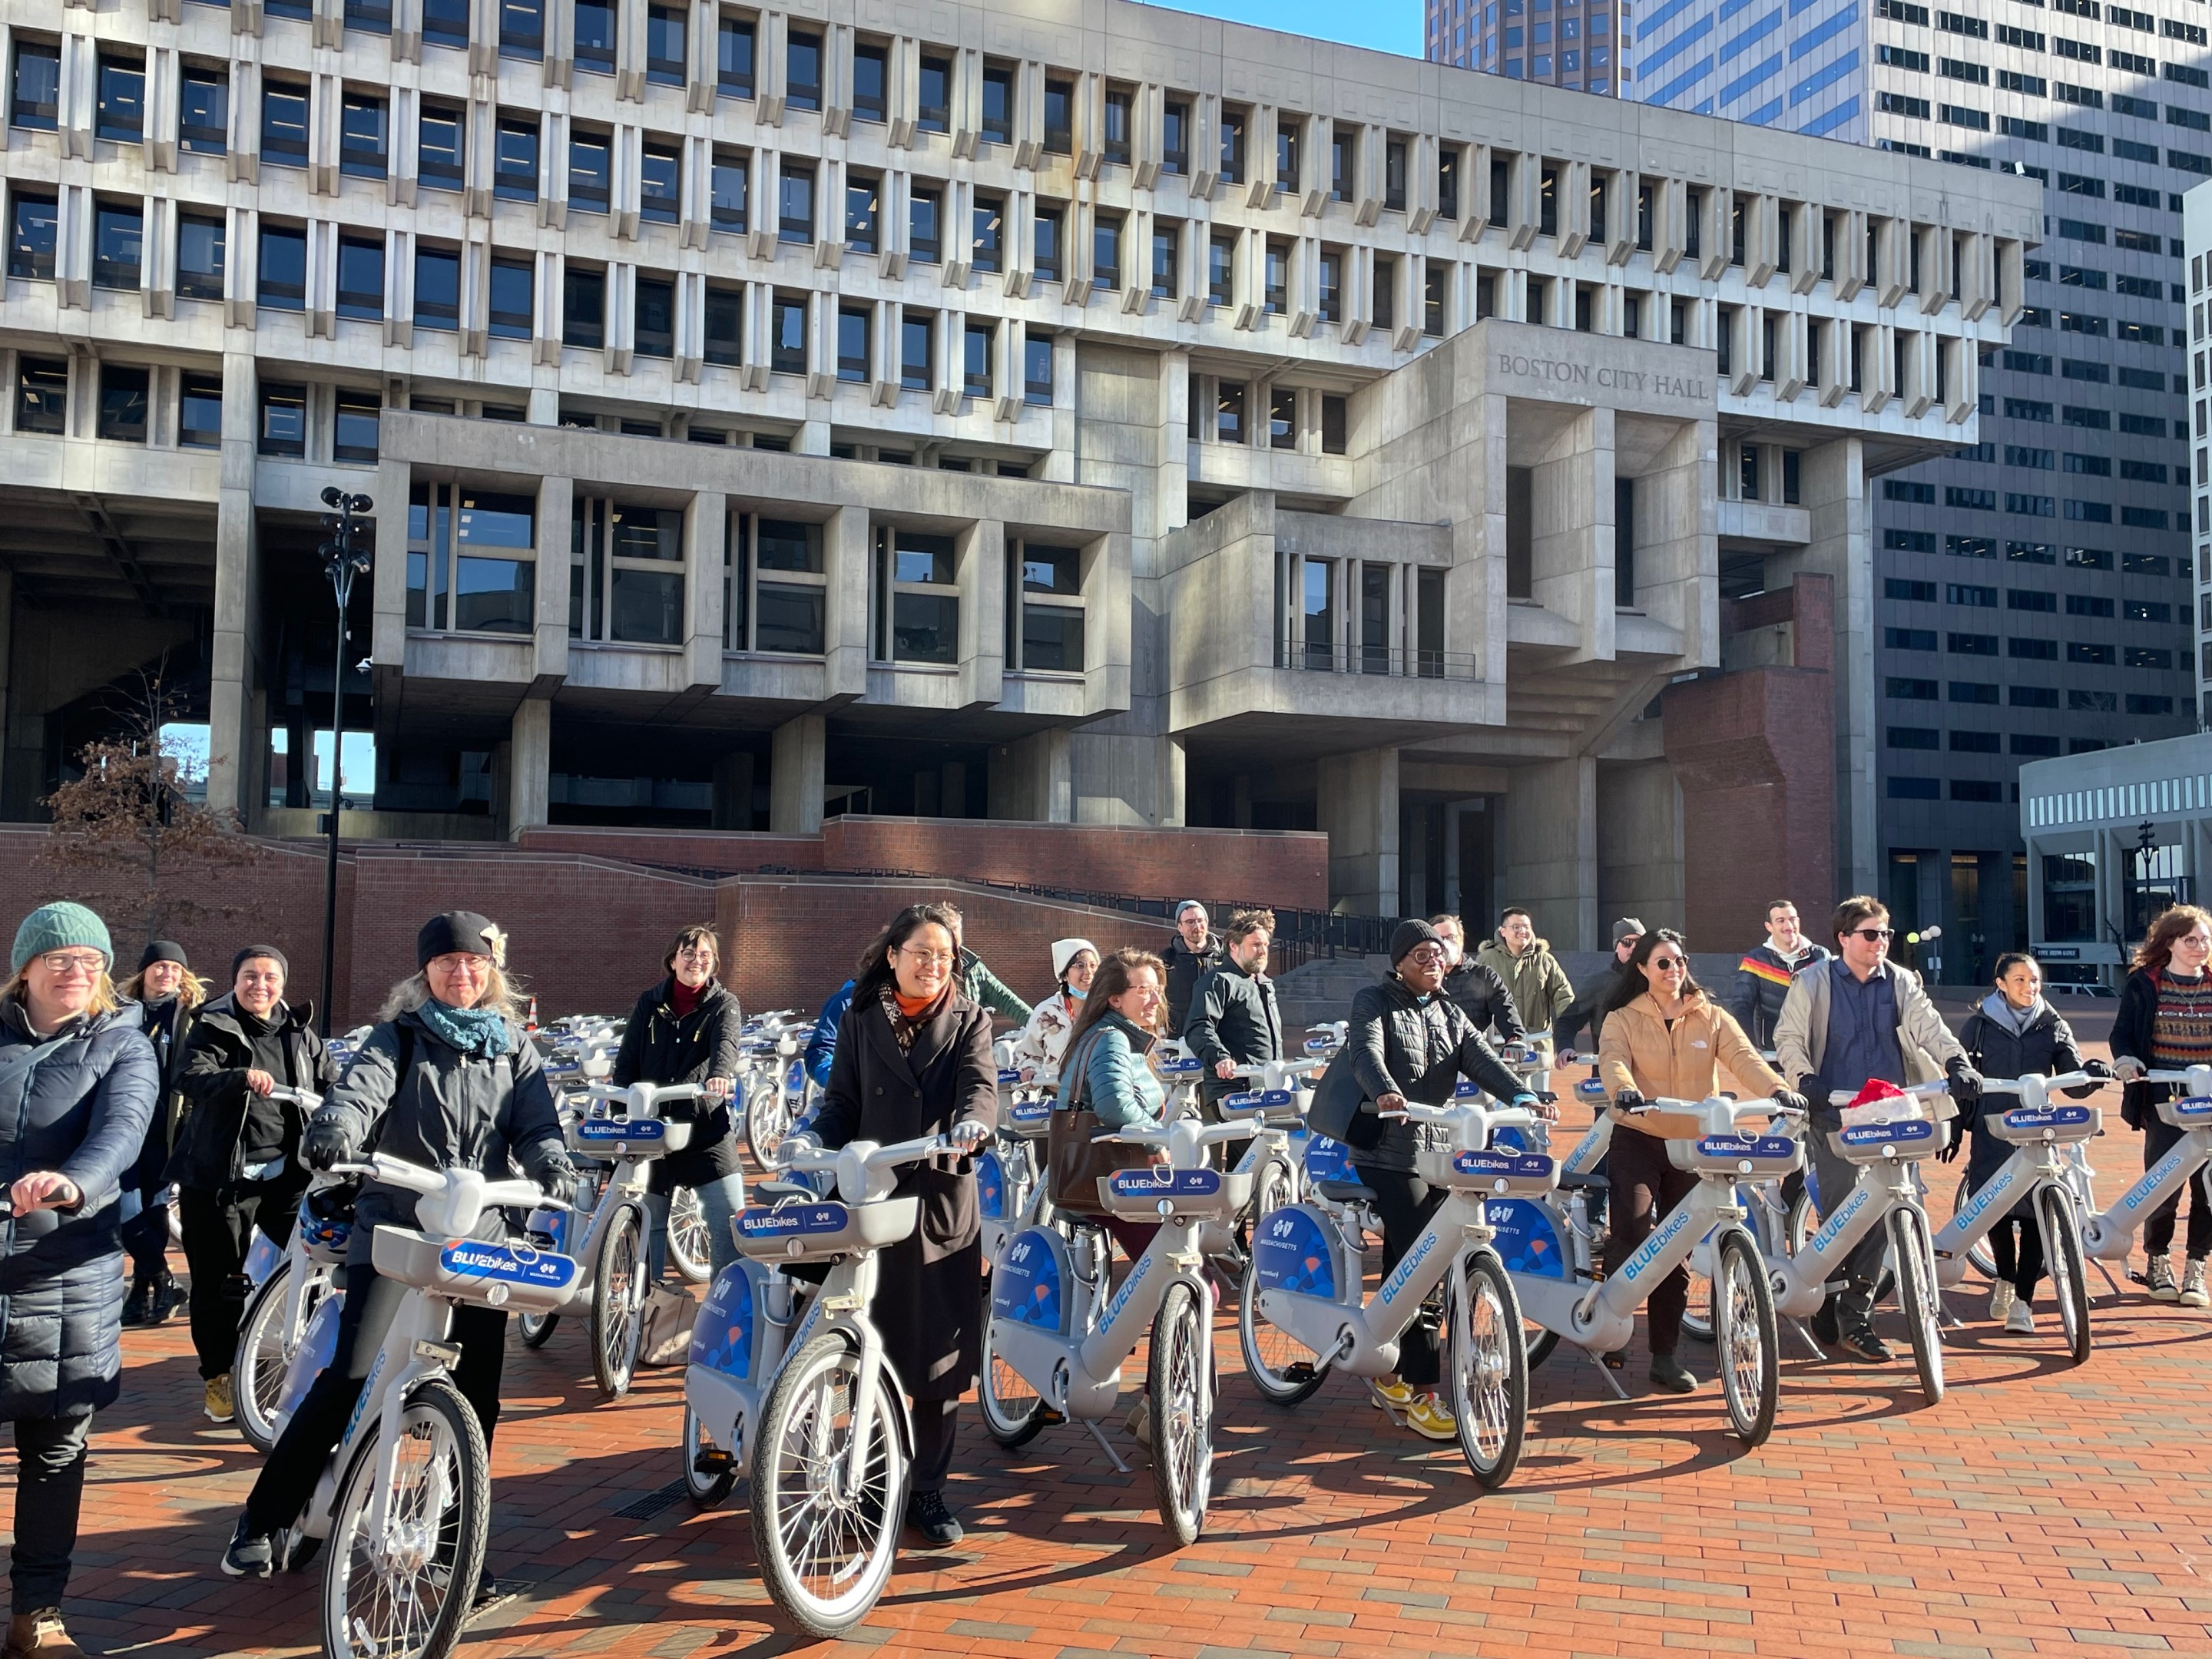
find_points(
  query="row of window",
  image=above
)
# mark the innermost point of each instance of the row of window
(2048, 460)
(1905, 689)
(2083, 652)
(2025, 552)
(2022, 504)
(2033, 745)
(2086, 418)
(1975, 595)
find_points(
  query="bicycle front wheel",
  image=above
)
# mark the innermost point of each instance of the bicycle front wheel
(1916, 1296)
(1283, 1368)
(618, 1288)
(826, 1541)
(1179, 1385)
(264, 1357)
(1747, 1340)
(1489, 1367)
(404, 1593)
(690, 1246)
(768, 1119)
(2063, 1260)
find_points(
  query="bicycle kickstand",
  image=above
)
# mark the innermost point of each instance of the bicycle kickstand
(1105, 1445)
(1806, 1334)
(1605, 1371)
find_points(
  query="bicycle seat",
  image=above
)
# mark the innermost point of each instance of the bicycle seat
(1594, 1179)
(1344, 1192)
(772, 1191)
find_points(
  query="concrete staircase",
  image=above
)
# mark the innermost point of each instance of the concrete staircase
(1323, 990)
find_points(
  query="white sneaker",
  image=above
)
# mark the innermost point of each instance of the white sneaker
(2020, 1321)
(2001, 1300)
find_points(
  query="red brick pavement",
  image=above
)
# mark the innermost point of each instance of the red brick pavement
(2039, 1509)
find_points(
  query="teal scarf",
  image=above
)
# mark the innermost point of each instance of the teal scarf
(471, 1030)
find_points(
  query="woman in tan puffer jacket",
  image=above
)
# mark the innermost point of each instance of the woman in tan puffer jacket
(1664, 1038)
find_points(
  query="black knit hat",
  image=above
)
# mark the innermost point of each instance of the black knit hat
(254, 951)
(164, 950)
(1409, 935)
(463, 931)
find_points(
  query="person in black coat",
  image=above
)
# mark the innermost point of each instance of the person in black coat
(1233, 1019)
(237, 1159)
(2014, 1033)
(686, 1030)
(2164, 1023)
(1474, 986)
(81, 1081)
(913, 1059)
(168, 993)
(1192, 954)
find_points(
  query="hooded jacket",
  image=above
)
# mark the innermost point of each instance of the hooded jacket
(1534, 980)
(1640, 1051)
(1185, 967)
(218, 1054)
(660, 1046)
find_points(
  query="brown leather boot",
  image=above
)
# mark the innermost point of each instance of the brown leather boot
(39, 1636)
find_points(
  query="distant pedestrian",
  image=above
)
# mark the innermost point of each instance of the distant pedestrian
(1043, 1041)
(1476, 988)
(168, 993)
(1539, 986)
(821, 1043)
(1596, 998)
(1762, 979)
(2165, 1023)
(1192, 954)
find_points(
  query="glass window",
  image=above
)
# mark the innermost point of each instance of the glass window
(725, 325)
(870, 80)
(283, 268)
(446, 22)
(201, 256)
(1059, 117)
(975, 361)
(656, 316)
(924, 625)
(584, 308)
(41, 395)
(733, 57)
(370, 16)
(522, 29)
(1228, 426)
(988, 249)
(512, 289)
(1118, 121)
(1048, 240)
(1335, 413)
(1282, 418)
(591, 170)
(861, 212)
(437, 288)
(781, 561)
(1220, 270)
(803, 71)
(204, 112)
(353, 431)
(1106, 251)
(925, 227)
(664, 28)
(620, 586)
(360, 277)
(1167, 241)
(120, 116)
(283, 421)
(283, 125)
(123, 392)
(1037, 369)
(795, 206)
(730, 184)
(1318, 601)
(118, 233)
(998, 104)
(200, 412)
(35, 96)
(934, 106)
(787, 334)
(514, 162)
(439, 147)
(595, 36)
(1233, 123)
(853, 346)
(1175, 136)
(659, 185)
(362, 136)
(917, 351)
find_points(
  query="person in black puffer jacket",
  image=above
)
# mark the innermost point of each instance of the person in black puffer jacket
(2013, 1034)
(686, 1030)
(81, 1080)
(168, 994)
(237, 1161)
(447, 1080)
(1475, 986)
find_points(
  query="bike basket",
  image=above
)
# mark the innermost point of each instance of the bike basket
(2187, 1111)
(1529, 1237)
(821, 1232)
(1904, 1110)
(1499, 1172)
(2059, 1124)
(1194, 1193)
(628, 1137)
(1756, 1158)
(1870, 1143)
(1295, 1249)
(517, 1277)
(1032, 1282)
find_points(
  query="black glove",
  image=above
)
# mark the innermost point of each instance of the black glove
(1956, 1139)
(1966, 1082)
(558, 1180)
(2098, 1069)
(1628, 1100)
(1789, 1097)
(325, 1144)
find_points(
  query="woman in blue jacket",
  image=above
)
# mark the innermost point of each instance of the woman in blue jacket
(78, 1083)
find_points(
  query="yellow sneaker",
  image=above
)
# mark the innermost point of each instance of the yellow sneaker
(221, 1408)
(1428, 1419)
(1394, 1397)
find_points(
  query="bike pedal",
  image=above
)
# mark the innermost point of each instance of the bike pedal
(714, 1460)
(1299, 1370)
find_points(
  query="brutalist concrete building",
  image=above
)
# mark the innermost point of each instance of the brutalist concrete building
(1060, 412)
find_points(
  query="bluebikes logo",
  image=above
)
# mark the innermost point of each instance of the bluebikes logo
(1895, 1134)
(611, 1129)
(1029, 1112)
(1984, 1195)
(2146, 1190)
(792, 1221)
(1138, 1273)
(2051, 1117)
(1533, 1165)
(1859, 1198)
(512, 1264)
(1168, 1184)
(1648, 1252)
(1756, 1147)
(1395, 1285)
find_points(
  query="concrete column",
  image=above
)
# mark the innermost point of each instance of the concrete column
(529, 766)
(796, 774)
(1035, 779)
(1831, 482)
(1357, 797)
(7, 669)
(1551, 850)
(845, 556)
(1571, 530)
(706, 532)
(1676, 521)
(733, 791)
(234, 670)
(1639, 843)
(556, 507)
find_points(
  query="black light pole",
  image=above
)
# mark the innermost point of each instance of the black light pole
(342, 562)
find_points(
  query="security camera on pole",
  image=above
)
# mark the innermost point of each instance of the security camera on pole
(343, 561)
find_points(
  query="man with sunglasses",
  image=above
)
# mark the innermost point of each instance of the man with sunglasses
(1844, 1024)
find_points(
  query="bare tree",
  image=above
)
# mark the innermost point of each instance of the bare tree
(126, 832)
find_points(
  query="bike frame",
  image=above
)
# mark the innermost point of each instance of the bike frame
(2109, 1235)
(2033, 1166)
(627, 1179)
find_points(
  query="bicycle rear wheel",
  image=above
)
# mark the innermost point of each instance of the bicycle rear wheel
(768, 1119)
(1488, 1367)
(2063, 1260)
(536, 1329)
(1749, 1341)
(406, 1595)
(1013, 1412)
(1283, 1368)
(690, 1247)
(618, 1290)
(1179, 1384)
(264, 1357)
(1916, 1296)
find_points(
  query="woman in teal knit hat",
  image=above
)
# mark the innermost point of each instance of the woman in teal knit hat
(82, 1081)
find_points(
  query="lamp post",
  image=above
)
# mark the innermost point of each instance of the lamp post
(343, 561)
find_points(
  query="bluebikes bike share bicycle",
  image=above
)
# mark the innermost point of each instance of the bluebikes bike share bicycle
(775, 1092)
(789, 1383)
(2041, 1129)
(1303, 1313)
(2109, 1234)
(612, 1290)
(1056, 1341)
(403, 1506)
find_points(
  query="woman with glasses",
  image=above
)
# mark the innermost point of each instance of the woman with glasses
(913, 1059)
(686, 1030)
(81, 1082)
(1663, 1038)
(2165, 1023)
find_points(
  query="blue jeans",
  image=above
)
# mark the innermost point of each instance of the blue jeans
(720, 1202)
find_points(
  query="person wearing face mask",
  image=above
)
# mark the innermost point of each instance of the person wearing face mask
(1762, 979)
(687, 1030)
(2165, 1023)
(1044, 1039)
(447, 1080)
(2014, 1033)
(1408, 1041)
(167, 992)
(1194, 951)
(80, 1082)
(237, 1163)
(1664, 1039)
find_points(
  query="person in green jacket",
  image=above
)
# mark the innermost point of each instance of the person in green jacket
(982, 987)
(1531, 974)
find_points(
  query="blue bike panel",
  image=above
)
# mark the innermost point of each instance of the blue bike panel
(1008, 1077)
(1294, 1249)
(1167, 1183)
(1328, 1160)
(1507, 1140)
(722, 1336)
(611, 1129)
(1501, 1162)
(331, 1235)
(1759, 1149)
(1031, 1282)
(1029, 1113)
(991, 1187)
(794, 1079)
(2193, 1106)
(1903, 1134)
(314, 1353)
(512, 1264)
(1266, 1099)
(1181, 1067)
(791, 1220)
(2051, 1117)
(1528, 1242)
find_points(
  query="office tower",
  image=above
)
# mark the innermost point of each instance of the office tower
(1559, 43)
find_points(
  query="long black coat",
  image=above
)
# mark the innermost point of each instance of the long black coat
(657, 1046)
(79, 1105)
(2046, 1048)
(929, 1301)
(168, 1024)
(1233, 1016)
(217, 1056)
(1399, 1044)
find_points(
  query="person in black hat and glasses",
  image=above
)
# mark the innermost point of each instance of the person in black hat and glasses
(446, 1080)
(237, 1160)
(167, 992)
(1409, 1041)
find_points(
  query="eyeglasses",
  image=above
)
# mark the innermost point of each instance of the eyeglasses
(695, 953)
(1428, 953)
(2193, 941)
(1873, 935)
(923, 958)
(72, 962)
(1669, 965)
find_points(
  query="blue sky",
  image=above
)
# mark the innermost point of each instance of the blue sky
(1385, 24)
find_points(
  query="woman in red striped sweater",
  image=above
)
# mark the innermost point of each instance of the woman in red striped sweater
(2164, 1023)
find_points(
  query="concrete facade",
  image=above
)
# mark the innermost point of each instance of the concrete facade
(1083, 413)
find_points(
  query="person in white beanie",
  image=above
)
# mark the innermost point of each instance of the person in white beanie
(1044, 1039)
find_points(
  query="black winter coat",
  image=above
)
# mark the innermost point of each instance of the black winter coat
(929, 1303)
(2134, 1036)
(217, 1056)
(1233, 1016)
(2046, 1048)
(78, 1104)
(450, 1110)
(1477, 989)
(167, 1025)
(1185, 969)
(1399, 1044)
(1589, 1009)
(657, 1047)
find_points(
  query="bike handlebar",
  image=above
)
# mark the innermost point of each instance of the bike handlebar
(1205, 1135)
(306, 1099)
(2013, 1086)
(1917, 1091)
(413, 1177)
(1721, 1112)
